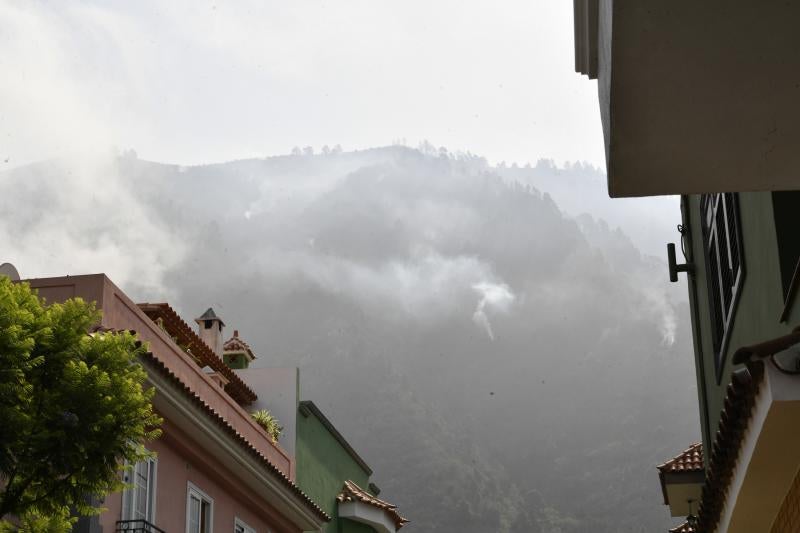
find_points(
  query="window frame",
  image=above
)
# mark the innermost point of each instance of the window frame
(238, 522)
(194, 490)
(713, 207)
(129, 495)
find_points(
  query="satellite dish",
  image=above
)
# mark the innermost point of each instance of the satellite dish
(7, 269)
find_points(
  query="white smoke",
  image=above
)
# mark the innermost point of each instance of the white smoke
(81, 216)
(495, 297)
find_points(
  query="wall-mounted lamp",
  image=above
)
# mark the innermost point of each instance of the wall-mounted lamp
(674, 267)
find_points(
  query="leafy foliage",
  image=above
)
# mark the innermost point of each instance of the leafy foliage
(73, 407)
(271, 425)
(32, 521)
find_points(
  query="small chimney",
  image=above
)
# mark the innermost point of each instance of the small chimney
(209, 327)
(237, 353)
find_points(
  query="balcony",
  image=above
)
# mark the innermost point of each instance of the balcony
(137, 526)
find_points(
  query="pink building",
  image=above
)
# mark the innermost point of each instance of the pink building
(215, 469)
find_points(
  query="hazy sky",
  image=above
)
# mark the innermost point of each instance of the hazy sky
(193, 82)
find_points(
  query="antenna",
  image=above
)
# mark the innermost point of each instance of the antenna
(7, 269)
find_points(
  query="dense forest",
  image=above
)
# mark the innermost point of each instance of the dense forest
(506, 357)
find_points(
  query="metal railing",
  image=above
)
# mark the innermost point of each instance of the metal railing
(137, 526)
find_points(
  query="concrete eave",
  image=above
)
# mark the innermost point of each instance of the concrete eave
(769, 457)
(376, 518)
(694, 96)
(682, 491)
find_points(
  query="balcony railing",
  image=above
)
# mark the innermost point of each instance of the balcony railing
(137, 526)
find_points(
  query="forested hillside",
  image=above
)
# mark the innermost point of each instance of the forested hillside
(503, 363)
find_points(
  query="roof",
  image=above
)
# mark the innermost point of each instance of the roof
(735, 417)
(236, 344)
(209, 315)
(353, 493)
(689, 460)
(683, 528)
(308, 407)
(175, 326)
(226, 427)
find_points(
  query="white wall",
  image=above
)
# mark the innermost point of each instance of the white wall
(277, 390)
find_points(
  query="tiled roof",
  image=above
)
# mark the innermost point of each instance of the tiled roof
(690, 460)
(683, 528)
(176, 327)
(236, 344)
(735, 417)
(225, 426)
(353, 493)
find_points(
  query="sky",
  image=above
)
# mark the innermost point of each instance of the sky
(198, 82)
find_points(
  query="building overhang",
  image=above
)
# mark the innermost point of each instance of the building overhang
(682, 479)
(682, 492)
(376, 518)
(694, 96)
(768, 456)
(355, 503)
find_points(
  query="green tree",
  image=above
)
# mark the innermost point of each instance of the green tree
(73, 408)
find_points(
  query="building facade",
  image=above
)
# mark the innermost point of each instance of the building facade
(333, 474)
(699, 99)
(327, 468)
(214, 468)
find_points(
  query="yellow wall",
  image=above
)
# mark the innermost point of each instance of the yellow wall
(788, 519)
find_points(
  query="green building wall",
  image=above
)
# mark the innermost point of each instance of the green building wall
(236, 360)
(323, 465)
(761, 302)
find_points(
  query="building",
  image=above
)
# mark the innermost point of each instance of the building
(327, 467)
(215, 469)
(333, 474)
(700, 99)
(232, 475)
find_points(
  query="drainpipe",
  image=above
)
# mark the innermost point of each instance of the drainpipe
(698, 344)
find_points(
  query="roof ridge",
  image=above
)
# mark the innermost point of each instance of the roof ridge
(689, 460)
(352, 492)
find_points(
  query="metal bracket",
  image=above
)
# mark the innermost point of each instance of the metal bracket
(674, 267)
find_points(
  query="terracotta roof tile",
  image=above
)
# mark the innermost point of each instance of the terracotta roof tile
(690, 460)
(236, 344)
(225, 426)
(353, 493)
(683, 528)
(176, 327)
(735, 417)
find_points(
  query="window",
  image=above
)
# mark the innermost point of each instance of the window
(199, 511)
(139, 500)
(241, 527)
(722, 245)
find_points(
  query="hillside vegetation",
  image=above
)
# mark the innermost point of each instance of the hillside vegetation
(503, 364)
